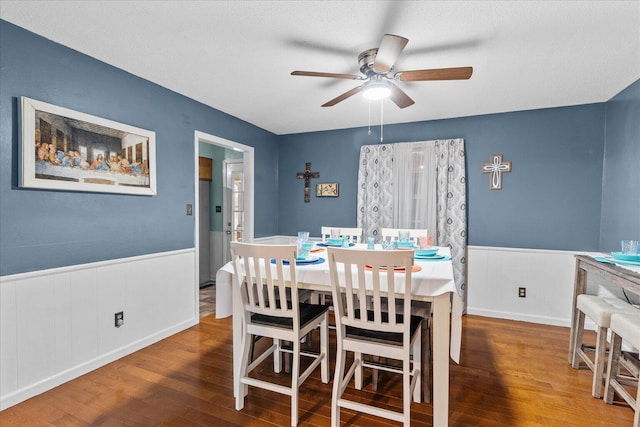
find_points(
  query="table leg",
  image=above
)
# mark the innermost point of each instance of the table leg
(579, 287)
(440, 354)
(237, 343)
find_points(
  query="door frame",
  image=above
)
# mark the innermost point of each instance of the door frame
(249, 162)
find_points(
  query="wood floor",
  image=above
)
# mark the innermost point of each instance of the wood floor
(511, 374)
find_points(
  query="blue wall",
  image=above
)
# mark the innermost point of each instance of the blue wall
(557, 196)
(621, 177)
(45, 229)
(550, 200)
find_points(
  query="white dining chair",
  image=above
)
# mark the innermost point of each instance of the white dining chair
(364, 328)
(392, 233)
(354, 234)
(272, 309)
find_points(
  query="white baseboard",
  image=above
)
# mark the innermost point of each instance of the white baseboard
(35, 389)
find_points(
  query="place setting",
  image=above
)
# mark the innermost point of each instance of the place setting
(628, 256)
(424, 251)
(336, 240)
(305, 248)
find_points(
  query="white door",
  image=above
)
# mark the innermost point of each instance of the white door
(233, 204)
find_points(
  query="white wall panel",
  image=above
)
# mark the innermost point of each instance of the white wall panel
(35, 327)
(8, 338)
(495, 274)
(62, 322)
(84, 315)
(58, 324)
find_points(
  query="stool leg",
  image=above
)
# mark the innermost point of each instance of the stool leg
(598, 366)
(613, 366)
(636, 417)
(577, 340)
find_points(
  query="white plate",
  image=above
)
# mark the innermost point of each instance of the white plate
(434, 257)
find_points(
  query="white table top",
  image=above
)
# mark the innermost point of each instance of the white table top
(435, 278)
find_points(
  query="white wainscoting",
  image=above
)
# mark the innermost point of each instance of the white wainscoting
(495, 274)
(58, 324)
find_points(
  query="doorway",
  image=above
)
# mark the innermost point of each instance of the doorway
(210, 232)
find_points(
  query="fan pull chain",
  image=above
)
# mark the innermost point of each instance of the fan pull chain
(381, 119)
(369, 132)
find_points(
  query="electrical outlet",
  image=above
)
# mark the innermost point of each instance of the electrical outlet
(118, 319)
(522, 292)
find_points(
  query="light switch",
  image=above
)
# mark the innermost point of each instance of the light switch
(189, 209)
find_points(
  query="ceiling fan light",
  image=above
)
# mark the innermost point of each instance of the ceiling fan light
(376, 90)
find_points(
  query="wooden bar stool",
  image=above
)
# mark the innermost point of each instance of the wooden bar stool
(600, 310)
(623, 327)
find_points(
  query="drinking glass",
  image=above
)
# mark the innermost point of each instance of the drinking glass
(371, 243)
(303, 250)
(630, 247)
(423, 242)
(335, 233)
(403, 235)
(303, 236)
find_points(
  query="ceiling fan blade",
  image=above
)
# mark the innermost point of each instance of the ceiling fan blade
(332, 75)
(342, 97)
(460, 73)
(390, 49)
(399, 97)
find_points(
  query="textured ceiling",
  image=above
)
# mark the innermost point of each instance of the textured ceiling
(236, 56)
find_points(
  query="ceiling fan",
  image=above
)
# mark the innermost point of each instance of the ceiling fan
(376, 65)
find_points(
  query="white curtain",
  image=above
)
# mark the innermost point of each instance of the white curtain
(417, 185)
(414, 186)
(452, 207)
(375, 189)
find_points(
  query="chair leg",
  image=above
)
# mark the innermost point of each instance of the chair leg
(358, 373)
(417, 363)
(337, 387)
(426, 366)
(406, 390)
(246, 349)
(277, 356)
(375, 375)
(598, 366)
(324, 348)
(295, 382)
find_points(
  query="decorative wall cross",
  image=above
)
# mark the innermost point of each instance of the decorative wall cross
(496, 167)
(307, 175)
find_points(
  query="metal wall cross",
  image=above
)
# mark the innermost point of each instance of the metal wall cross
(307, 175)
(496, 167)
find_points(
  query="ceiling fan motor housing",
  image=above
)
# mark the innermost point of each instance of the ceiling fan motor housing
(366, 60)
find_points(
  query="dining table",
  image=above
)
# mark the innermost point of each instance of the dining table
(434, 282)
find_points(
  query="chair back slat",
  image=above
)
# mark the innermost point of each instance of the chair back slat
(353, 233)
(266, 279)
(392, 233)
(368, 283)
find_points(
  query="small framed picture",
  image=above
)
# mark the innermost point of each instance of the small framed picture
(329, 189)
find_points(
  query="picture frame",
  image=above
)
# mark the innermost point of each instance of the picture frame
(63, 149)
(329, 189)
